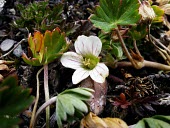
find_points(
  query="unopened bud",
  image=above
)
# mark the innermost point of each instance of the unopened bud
(146, 11)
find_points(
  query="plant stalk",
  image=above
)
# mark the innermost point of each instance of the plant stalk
(47, 97)
(37, 98)
(46, 104)
(125, 48)
(146, 64)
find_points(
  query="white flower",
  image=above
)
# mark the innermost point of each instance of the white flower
(86, 61)
(146, 11)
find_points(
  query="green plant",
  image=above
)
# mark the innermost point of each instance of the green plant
(39, 16)
(115, 18)
(70, 104)
(13, 100)
(45, 49)
(158, 121)
(112, 13)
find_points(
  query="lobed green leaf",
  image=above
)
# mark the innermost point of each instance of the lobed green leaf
(13, 100)
(71, 102)
(154, 122)
(112, 13)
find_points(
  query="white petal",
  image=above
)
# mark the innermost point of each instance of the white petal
(80, 45)
(88, 45)
(99, 73)
(94, 45)
(79, 75)
(71, 60)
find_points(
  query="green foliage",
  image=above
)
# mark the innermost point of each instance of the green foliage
(112, 48)
(72, 102)
(139, 31)
(159, 14)
(46, 48)
(158, 121)
(117, 51)
(13, 100)
(111, 13)
(39, 16)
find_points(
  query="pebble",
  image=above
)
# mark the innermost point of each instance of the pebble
(18, 51)
(7, 44)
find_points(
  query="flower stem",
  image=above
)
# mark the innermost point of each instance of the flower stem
(46, 104)
(37, 98)
(46, 90)
(125, 48)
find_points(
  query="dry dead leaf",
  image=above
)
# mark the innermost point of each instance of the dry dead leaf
(93, 121)
(5, 70)
(97, 102)
(3, 67)
(115, 123)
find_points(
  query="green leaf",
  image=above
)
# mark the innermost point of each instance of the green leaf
(139, 31)
(67, 104)
(8, 122)
(71, 101)
(83, 91)
(159, 14)
(111, 13)
(140, 124)
(117, 51)
(47, 48)
(60, 114)
(39, 15)
(158, 121)
(77, 103)
(13, 100)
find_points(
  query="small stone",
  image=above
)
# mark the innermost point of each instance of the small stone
(7, 45)
(18, 51)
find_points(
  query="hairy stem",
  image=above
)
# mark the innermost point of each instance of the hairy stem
(37, 98)
(47, 97)
(125, 48)
(46, 104)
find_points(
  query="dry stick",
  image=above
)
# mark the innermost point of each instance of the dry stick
(150, 36)
(46, 104)
(165, 56)
(13, 48)
(164, 53)
(47, 97)
(146, 64)
(37, 98)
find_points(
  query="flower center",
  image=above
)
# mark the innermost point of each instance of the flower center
(90, 61)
